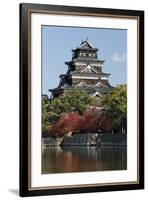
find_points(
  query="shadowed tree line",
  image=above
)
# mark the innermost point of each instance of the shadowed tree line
(77, 112)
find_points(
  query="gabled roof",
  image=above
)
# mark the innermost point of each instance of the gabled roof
(82, 84)
(89, 69)
(96, 93)
(100, 84)
(86, 44)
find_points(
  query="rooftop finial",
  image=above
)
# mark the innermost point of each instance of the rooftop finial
(86, 39)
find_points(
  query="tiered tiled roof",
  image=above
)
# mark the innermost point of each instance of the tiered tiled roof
(84, 66)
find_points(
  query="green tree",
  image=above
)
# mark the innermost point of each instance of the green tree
(74, 101)
(45, 116)
(115, 106)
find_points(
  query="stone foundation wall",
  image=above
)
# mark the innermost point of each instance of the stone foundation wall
(106, 139)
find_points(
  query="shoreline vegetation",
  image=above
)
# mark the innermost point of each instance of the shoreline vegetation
(77, 116)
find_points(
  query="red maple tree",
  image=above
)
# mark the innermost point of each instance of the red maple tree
(92, 121)
(67, 122)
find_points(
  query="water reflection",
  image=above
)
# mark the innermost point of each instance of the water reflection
(83, 159)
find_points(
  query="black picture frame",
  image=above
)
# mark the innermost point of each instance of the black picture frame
(25, 91)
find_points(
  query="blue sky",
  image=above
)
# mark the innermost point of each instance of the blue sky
(57, 43)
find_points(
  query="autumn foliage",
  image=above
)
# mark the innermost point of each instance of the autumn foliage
(72, 113)
(96, 121)
(67, 122)
(91, 121)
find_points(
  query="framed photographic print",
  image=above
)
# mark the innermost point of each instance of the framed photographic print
(81, 99)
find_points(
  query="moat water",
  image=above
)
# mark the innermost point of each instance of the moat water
(83, 159)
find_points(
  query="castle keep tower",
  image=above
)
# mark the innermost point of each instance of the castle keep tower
(84, 72)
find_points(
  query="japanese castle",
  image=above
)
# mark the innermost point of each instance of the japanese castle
(84, 72)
